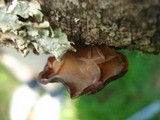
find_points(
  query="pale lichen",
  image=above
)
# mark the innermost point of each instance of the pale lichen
(22, 24)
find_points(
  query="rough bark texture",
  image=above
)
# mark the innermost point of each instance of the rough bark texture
(134, 24)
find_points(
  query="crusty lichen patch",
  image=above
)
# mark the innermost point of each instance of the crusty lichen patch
(22, 26)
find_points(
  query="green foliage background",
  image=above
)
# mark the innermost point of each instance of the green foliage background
(119, 100)
(122, 98)
(7, 84)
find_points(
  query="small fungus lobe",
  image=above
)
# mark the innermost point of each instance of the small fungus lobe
(85, 71)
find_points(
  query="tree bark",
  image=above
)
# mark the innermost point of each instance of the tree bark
(133, 24)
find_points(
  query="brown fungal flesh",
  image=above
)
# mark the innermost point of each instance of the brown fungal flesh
(85, 71)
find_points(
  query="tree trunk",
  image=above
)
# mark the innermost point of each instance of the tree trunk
(134, 24)
(131, 24)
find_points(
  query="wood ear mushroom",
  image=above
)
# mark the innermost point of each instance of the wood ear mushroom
(86, 71)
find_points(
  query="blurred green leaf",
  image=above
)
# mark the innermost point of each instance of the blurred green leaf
(122, 98)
